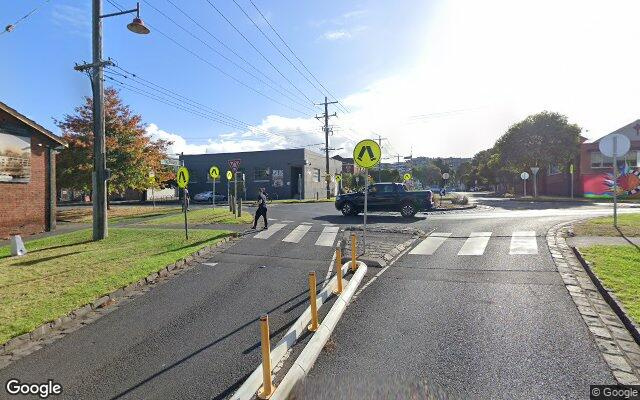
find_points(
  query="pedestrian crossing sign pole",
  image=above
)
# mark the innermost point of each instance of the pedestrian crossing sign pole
(214, 173)
(366, 154)
(182, 178)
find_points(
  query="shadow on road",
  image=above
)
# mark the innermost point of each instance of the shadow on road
(371, 219)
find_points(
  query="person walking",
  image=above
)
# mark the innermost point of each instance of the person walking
(262, 209)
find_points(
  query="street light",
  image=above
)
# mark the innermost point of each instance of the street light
(100, 175)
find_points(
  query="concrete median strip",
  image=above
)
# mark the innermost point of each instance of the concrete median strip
(310, 353)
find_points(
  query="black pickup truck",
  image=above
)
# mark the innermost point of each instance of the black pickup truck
(386, 197)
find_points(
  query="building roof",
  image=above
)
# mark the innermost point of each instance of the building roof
(631, 130)
(32, 124)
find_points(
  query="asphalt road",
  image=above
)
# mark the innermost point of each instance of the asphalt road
(495, 325)
(491, 325)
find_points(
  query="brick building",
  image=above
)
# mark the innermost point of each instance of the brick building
(27, 174)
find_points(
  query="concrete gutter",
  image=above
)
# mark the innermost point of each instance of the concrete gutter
(252, 384)
(309, 355)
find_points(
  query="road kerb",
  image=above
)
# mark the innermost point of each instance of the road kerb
(253, 382)
(310, 353)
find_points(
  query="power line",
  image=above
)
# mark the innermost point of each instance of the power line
(215, 66)
(296, 56)
(220, 54)
(231, 49)
(258, 51)
(11, 27)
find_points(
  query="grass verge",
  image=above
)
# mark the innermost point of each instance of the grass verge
(117, 213)
(64, 272)
(203, 216)
(629, 225)
(618, 268)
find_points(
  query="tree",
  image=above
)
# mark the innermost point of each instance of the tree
(463, 173)
(428, 174)
(539, 140)
(131, 154)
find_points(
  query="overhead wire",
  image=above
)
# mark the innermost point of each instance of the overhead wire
(297, 58)
(11, 27)
(224, 56)
(112, 2)
(257, 50)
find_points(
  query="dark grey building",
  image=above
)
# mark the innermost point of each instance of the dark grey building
(284, 173)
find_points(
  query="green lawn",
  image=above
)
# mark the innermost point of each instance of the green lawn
(63, 272)
(116, 213)
(203, 216)
(618, 267)
(629, 225)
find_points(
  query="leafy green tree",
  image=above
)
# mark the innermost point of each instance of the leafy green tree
(539, 140)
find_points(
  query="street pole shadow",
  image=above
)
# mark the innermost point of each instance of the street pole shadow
(631, 242)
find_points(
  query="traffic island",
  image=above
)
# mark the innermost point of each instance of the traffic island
(68, 280)
(618, 346)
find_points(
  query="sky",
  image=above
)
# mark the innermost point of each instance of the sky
(433, 78)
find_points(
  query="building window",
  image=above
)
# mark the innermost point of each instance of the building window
(632, 159)
(598, 160)
(554, 169)
(316, 175)
(260, 174)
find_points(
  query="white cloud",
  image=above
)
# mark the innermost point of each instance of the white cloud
(335, 35)
(497, 60)
(76, 20)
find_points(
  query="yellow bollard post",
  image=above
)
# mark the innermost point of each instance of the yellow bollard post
(267, 388)
(354, 246)
(338, 290)
(313, 326)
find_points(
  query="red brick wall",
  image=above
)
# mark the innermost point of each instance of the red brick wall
(23, 205)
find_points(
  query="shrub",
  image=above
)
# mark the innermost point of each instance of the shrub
(460, 200)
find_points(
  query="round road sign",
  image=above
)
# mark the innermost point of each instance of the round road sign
(614, 145)
(338, 178)
(445, 175)
(367, 153)
(214, 172)
(407, 176)
(229, 175)
(524, 176)
(182, 177)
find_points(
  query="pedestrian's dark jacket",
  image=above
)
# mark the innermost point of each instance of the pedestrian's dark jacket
(262, 201)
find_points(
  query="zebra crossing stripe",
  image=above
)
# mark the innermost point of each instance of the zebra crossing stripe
(475, 244)
(297, 234)
(328, 236)
(429, 245)
(523, 242)
(267, 233)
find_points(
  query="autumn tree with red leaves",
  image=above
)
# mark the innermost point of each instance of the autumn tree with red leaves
(131, 154)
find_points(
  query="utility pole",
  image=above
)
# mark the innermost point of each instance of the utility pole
(326, 140)
(380, 164)
(100, 172)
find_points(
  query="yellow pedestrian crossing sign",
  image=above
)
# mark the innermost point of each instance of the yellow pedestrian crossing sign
(407, 176)
(229, 175)
(367, 153)
(214, 172)
(338, 178)
(182, 177)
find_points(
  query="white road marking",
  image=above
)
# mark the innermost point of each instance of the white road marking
(297, 234)
(267, 233)
(211, 264)
(475, 244)
(328, 236)
(523, 242)
(306, 223)
(288, 222)
(429, 245)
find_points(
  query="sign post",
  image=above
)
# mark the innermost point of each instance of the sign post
(229, 197)
(615, 145)
(182, 178)
(366, 154)
(524, 176)
(535, 180)
(571, 172)
(152, 178)
(234, 164)
(214, 173)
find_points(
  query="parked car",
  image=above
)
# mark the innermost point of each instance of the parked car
(386, 197)
(205, 197)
